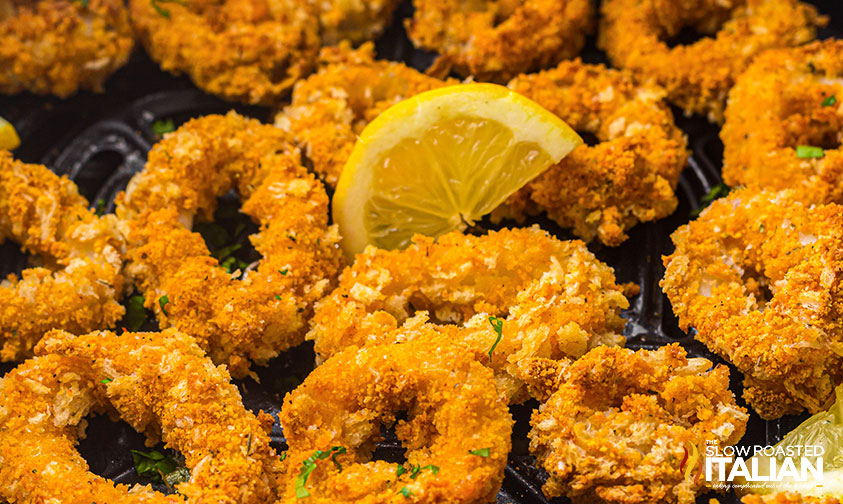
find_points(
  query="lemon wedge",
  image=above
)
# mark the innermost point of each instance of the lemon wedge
(823, 435)
(8, 136)
(442, 159)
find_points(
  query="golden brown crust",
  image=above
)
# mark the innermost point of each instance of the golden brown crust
(619, 427)
(246, 50)
(353, 20)
(776, 106)
(495, 41)
(79, 282)
(602, 191)
(60, 46)
(758, 276)
(453, 408)
(163, 385)
(697, 77)
(330, 108)
(556, 300)
(236, 320)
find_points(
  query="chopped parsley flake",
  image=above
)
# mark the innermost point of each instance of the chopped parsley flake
(809, 152)
(162, 302)
(106, 381)
(497, 325)
(415, 470)
(309, 464)
(163, 126)
(284, 271)
(716, 192)
(161, 10)
(157, 467)
(405, 492)
(100, 207)
(135, 313)
(830, 101)
(482, 452)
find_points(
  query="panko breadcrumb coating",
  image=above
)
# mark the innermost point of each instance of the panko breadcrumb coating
(786, 99)
(760, 279)
(787, 498)
(453, 409)
(620, 425)
(554, 298)
(353, 20)
(244, 50)
(697, 77)
(603, 190)
(497, 40)
(330, 108)
(236, 320)
(160, 383)
(60, 46)
(78, 282)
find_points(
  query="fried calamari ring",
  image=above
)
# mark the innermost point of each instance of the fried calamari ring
(353, 20)
(621, 423)
(497, 40)
(457, 432)
(758, 276)
(79, 281)
(784, 100)
(554, 299)
(246, 50)
(235, 320)
(59, 46)
(330, 108)
(697, 77)
(603, 190)
(160, 383)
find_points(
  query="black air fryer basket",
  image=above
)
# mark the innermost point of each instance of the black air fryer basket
(100, 141)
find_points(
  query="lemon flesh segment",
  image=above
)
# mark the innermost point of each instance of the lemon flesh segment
(9, 139)
(441, 160)
(823, 431)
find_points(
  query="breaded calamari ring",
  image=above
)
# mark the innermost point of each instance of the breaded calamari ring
(353, 20)
(758, 276)
(330, 108)
(599, 191)
(245, 50)
(619, 426)
(160, 383)
(788, 98)
(697, 77)
(787, 498)
(603, 190)
(60, 46)
(235, 320)
(78, 283)
(497, 40)
(554, 299)
(457, 433)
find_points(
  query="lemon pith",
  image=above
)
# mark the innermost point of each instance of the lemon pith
(441, 160)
